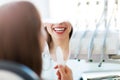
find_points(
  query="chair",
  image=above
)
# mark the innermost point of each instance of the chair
(14, 71)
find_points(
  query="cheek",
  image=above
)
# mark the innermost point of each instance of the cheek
(69, 30)
(49, 30)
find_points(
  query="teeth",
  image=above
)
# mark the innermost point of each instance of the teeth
(59, 29)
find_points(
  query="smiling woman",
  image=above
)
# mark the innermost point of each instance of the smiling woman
(59, 35)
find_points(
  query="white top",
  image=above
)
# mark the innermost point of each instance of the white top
(48, 71)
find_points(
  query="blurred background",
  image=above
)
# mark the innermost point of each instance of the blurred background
(97, 29)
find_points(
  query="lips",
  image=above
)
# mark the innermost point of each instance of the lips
(59, 30)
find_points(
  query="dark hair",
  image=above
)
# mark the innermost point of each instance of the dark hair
(20, 26)
(49, 38)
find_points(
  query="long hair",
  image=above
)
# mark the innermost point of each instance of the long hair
(20, 26)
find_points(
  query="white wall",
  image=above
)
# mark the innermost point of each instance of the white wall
(42, 6)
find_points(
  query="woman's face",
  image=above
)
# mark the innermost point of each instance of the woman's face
(59, 30)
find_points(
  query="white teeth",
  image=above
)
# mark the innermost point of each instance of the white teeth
(59, 29)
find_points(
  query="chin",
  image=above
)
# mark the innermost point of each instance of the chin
(61, 38)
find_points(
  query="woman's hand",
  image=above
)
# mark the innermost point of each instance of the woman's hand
(64, 73)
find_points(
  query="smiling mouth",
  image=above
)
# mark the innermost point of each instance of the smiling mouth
(59, 29)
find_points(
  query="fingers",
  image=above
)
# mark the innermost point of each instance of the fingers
(56, 67)
(64, 72)
(67, 69)
(58, 74)
(61, 70)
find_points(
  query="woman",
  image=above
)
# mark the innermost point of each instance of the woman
(59, 35)
(21, 36)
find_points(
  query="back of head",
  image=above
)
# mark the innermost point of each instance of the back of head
(19, 34)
